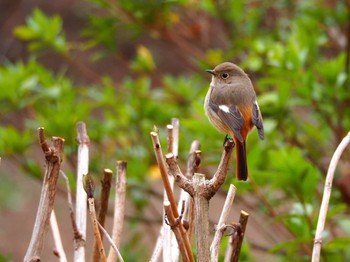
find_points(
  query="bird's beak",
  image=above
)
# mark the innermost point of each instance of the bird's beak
(211, 72)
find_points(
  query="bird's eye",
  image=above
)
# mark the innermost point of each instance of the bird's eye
(224, 75)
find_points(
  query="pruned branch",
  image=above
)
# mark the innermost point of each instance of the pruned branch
(106, 183)
(59, 251)
(81, 198)
(236, 239)
(174, 169)
(53, 159)
(221, 226)
(175, 226)
(220, 175)
(89, 188)
(119, 208)
(78, 238)
(168, 190)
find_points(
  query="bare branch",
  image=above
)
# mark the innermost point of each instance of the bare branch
(236, 240)
(53, 159)
(176, 128)
(175, 227)
(57, 238)
(168, 188)
(94, 222)
(326, 197)
(180, 179)
(220, 227)
(78, 239)
(110, 240)
(119, 208)
(106, 186)
(170, 138)
(220, 175)
(163, 171)
(81, 198)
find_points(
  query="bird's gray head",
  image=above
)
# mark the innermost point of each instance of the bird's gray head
(226, 73)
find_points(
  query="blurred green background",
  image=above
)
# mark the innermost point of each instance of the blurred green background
(124, 66)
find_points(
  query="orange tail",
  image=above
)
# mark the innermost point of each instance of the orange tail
(241, 160)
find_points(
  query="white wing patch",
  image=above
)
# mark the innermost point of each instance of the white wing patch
(224, 108)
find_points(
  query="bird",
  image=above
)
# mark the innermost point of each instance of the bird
(232, 108)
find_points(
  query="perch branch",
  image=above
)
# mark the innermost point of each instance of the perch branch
(220, 175)
(326, 197)
(106, 186)
(81, 199)
(119, 208)
(221, 226)
(53, 159)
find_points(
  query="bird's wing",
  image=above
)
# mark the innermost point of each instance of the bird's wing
(257, 120)
(231, 116)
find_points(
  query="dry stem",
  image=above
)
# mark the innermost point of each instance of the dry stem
(221, 226)
(78, 239)
(175, 227)
(119, 208)
(96, 230)
(106, 186)
(110, 240)
(53, 159)
(81, 198)
(168, 190)
(57, 238)
(326, 196)
(236, 240)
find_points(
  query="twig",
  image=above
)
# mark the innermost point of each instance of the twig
(110, 240)
(106, 186)
(59, 251)
(165, 232)
(53, 159)
(83, 168)
(168, 189)
(89, 187)
(119, 208)
(220, 227)
(192, 167)
(176, 128)
(170, 138)
(236, 239)
(175, 227)
(163, 172)
(97, 235)
(170, 247)
(326, 197)
(78, 239)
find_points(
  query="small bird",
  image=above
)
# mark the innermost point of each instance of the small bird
(232, 108)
